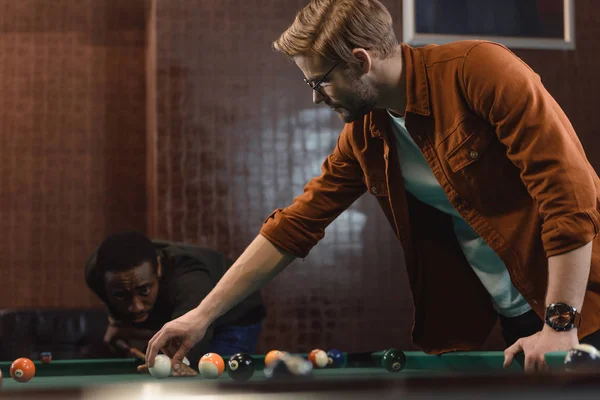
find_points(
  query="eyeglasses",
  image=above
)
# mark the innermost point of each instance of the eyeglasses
(317, 86)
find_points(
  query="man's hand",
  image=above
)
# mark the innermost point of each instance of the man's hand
(258, 264)
(177, 337)
(536, 345)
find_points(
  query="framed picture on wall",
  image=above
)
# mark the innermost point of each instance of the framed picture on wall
(523, 24)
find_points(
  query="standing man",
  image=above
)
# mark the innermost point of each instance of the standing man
(477, 168)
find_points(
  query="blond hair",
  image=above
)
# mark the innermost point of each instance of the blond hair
(331, 29)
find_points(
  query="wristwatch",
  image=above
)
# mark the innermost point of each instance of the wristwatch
(562, 317)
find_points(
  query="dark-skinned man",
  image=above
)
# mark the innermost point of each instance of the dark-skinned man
(145, 284)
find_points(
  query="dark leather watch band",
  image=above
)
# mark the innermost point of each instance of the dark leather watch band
(577, 320)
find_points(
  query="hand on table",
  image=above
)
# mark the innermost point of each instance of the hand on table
(183, 371)
(537, 345)
(176, 338)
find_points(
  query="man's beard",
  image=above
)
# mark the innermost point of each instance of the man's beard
(364, 101)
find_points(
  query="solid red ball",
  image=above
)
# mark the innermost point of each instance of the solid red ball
(22, 369)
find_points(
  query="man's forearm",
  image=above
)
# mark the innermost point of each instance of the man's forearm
(568, 276)
(258, 264)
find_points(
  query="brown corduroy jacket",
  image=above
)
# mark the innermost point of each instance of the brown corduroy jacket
(509, 161)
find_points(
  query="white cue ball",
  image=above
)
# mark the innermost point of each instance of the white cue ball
(321, 359)
(162, 367)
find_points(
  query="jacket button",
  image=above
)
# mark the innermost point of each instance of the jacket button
(473, 154)
(374, 190)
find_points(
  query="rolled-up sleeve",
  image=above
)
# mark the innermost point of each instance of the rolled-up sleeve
(539, 140)
(299, 227)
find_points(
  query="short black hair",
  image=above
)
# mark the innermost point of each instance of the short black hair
(123, 251)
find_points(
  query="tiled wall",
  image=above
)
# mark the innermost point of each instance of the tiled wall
(237, 137)
(72, 132)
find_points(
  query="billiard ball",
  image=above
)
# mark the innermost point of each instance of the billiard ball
(240, 367)
(318, 358)
(289, 367)
(162, 367)
(582, 357)
(335, 358)
(211, 366)
(22, 370)
(272, 356)
(393, 360)
(46, 357)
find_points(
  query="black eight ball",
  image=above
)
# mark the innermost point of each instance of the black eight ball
(240, 367)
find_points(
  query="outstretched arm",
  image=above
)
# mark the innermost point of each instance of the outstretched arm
(257, 265)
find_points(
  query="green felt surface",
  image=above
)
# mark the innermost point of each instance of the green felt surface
(86, 381)
(86, 373)
(79, 367)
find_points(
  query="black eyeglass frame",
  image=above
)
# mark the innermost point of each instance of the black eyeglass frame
(317, 86)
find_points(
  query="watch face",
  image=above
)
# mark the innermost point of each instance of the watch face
(560, 314)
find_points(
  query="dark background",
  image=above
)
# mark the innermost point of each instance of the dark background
(177, 119)
(523, 18)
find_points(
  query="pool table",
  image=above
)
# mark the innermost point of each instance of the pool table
(453, 375)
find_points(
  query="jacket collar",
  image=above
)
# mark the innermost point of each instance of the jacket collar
(417, 91)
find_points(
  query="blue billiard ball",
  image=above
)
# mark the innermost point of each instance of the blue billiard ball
(335, 358)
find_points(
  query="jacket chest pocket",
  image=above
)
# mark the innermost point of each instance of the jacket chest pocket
(478, 158)
(473, 143)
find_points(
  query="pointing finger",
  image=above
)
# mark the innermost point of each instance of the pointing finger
(180, 354)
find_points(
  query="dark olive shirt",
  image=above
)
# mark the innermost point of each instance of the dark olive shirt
(189, 273)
